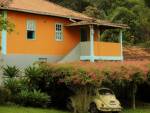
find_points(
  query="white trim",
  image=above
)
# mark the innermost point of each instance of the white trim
(33, 28)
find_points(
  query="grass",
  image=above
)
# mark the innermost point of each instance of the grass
(138, 110)
(15, 109)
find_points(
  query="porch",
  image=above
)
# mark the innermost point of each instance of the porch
(92, 48)
(101, 51)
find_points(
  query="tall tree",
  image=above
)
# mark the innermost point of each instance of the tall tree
(135, 13)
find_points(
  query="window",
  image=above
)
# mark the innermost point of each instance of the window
(30, 30)
(43, 60)
(59, 32)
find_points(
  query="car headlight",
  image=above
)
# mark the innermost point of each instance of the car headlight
(102, 105)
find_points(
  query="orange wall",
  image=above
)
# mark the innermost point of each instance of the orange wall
(45, 43)
(107, 49)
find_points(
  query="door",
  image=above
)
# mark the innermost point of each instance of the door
(84, 34)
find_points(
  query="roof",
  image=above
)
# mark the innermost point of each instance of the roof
(136, 54)
(43, 7)
(104, 23)
(4, 2)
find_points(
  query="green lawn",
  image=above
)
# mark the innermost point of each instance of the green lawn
(142, 110)
(4, 109)
(7, 109)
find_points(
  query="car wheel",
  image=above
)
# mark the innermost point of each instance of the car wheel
(93, 108)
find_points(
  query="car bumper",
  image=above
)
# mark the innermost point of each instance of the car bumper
(110, 109)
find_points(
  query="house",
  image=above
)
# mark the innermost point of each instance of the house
(48, 32)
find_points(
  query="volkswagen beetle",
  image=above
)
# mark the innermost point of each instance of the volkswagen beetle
(105, 101)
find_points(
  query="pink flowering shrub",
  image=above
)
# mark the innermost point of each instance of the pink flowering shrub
(84, 73)
(84, 76)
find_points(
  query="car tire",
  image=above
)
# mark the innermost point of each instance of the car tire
(93, 108)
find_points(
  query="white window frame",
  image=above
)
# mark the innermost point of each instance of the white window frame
(31, 25)
(59, 33)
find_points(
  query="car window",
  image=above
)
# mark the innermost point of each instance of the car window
(105, 92)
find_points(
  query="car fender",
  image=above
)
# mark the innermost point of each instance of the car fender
(98, 103)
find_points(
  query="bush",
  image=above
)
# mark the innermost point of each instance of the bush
(146, 44)
(114, 74)
(4, 95)
(33, 98)
(34, 75)
(13, 85)
(47, 77)
(11, 71)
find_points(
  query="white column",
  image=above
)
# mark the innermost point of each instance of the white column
(4, 36)
(91, 43)
(121, 38)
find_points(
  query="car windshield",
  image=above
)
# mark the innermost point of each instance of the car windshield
(105, 92)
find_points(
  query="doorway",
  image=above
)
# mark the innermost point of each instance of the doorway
(84, 34)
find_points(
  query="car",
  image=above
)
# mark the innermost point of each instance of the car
(104, 101)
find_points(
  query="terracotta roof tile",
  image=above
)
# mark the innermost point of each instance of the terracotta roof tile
(4, 2)
(43, 7)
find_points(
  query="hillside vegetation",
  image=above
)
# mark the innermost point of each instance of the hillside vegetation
(135, 13)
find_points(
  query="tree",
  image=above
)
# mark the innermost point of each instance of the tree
(93, 11)
(4, 23)
(78, 5)
(147, 2)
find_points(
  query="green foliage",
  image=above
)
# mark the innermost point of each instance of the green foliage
(135, 13)
(146, 44)
(33, 72)
(13, 85)
(33, 98)
(11, 71)
(38, 77)
(34, 75)
(79, 5)
(4, 95)
(93, 11)
(25, 89)
(110, 36)
(5, 24)
(147, 2)
(81, 77)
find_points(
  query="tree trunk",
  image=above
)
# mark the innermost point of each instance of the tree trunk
(134, 89)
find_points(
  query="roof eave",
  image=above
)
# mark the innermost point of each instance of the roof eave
(41, 13)
(104, 25)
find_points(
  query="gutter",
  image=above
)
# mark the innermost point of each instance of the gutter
(40, 13)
